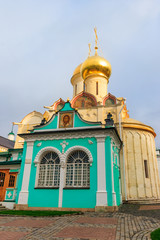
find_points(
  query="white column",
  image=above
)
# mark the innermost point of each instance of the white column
(113, 191)
(23, 195)
(101, 197)
(61, 186)
(120, 190)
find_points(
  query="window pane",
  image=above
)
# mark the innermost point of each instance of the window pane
(146, 169)
(11, 181)
(78, 170)
(49, 170)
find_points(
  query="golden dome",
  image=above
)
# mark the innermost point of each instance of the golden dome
(75, 73)
(77, 70)
(96, 65)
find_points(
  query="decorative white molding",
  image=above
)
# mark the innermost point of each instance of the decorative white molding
(28, 161)
(76, 135)
(44, 150)
(75, 148)
(63, 165)
(101, 196)
(64, 129)
(64, 144)
(62, 182)
(90, 142)
(30, 142)
(100, 139)
(15, 156)
(9, 194)
(39, 144)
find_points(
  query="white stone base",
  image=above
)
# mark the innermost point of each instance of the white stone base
(23, 197)
(9, 205)
(101, 198)
(114, 199)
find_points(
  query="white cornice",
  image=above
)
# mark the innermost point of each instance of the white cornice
(70, 135)
(64, 129)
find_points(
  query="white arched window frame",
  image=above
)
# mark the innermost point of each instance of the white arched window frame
(48, 168)
(78, 162)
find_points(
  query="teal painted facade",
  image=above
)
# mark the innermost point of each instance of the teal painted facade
(82, 135)
(11, 160)
(116, 173)
(83, 198)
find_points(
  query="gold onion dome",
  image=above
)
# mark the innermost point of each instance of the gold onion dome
(96, 65)
(77, 70)
(76, 73)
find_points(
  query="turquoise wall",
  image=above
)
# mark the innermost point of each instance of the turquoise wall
(52, 124)
(116, 171)
(78, 122)
(42, 197)
(72, 198)
(84, 198)
(116, 174)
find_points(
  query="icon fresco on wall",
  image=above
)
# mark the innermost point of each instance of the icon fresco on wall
(109, 102)
(84, 101)
(66, 120)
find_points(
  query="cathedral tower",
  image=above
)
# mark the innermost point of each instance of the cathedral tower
(95, 72)
(92, 76)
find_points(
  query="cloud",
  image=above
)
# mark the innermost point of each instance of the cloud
(146, 8)
(42, 42)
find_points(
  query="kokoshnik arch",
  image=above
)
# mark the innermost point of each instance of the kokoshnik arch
(86, 153)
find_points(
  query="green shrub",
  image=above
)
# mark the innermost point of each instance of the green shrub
(36, 213)
(155, 235)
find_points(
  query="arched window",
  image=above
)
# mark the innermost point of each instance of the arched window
(109, 102)
(96, 88)
(49, 170)
(76, 89)
(78, 170)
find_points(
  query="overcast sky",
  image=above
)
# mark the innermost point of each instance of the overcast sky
(42, 42)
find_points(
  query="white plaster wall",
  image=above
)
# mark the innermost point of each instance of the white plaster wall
(139, 146)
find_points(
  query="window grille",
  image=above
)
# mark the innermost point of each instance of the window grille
(49, 170)
(11, 181)
(78, 170)
(2, 178)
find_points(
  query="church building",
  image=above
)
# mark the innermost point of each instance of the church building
(86, 153)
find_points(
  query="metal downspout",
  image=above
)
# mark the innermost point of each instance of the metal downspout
(120, 131)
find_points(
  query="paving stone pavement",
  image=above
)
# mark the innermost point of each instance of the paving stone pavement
(109, 226)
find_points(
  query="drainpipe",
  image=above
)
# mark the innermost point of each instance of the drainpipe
(120, 131)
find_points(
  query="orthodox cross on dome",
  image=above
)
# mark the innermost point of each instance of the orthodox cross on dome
(96, 41)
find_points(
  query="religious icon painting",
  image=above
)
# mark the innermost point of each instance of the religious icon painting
(65, 119)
